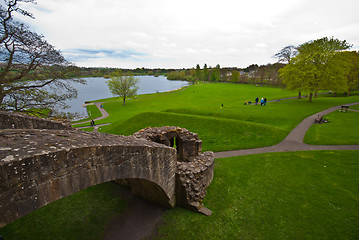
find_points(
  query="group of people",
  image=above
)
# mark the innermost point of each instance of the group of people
(263, 101)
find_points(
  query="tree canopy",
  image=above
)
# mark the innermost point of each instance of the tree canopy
(123, 85)
(318, 66)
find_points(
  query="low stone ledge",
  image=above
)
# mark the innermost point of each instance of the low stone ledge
(10, 120)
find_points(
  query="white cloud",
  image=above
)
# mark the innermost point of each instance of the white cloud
(162, 33)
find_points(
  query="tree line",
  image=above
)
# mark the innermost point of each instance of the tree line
(254, 74)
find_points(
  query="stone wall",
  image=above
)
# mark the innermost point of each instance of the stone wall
(10, 120)
(194, 169)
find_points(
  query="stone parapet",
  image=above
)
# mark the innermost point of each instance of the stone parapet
(9, 120)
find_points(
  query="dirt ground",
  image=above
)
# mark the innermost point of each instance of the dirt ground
(139, 221)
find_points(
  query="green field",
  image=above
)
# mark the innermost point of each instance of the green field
(356, 107)
(233, 126)
(342, 129)
(292, 195)
(297, 195)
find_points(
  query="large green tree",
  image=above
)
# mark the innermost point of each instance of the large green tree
(123, 85)
(353, 75)
(317, 67)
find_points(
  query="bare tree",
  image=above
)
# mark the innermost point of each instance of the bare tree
(32, 72)
(286, 54)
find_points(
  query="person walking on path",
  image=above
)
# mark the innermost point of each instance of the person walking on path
(257, 99)
(92, 123)
(262, 101)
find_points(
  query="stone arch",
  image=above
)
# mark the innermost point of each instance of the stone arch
(32, 181)
(146, 189)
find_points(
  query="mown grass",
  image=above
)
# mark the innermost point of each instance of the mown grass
(299, 195)
(220, 134)
(227, 128)
(296, 195)
(89, 129)
(82, 215)
(342, 129)
(292, 195)
(356, 107)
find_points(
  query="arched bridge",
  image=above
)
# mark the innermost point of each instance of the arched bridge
(50, 161)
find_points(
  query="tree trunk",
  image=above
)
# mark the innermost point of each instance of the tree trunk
(335, 94)
(124, 101)
(315, 94)
(311, 97)
(300, 95)
(348, 93)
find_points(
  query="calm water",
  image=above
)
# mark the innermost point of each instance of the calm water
(96, 88)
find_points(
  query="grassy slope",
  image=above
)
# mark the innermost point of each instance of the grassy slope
(297, 195)
(218, 134)
(74, 217)
(202, 103)
(356, 107)
(342, 129)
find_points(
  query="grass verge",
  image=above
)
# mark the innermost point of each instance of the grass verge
(294, 195)
(342, 129)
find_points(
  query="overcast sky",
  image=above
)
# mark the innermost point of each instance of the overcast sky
(181, 34)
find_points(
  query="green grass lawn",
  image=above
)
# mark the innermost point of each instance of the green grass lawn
(356, 107)
(89, 129)
(234, 126)
(342, 129)
(82, 215)
(294, 195)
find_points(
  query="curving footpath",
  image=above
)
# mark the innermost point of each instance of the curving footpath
(104, 115)
(294, 140)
